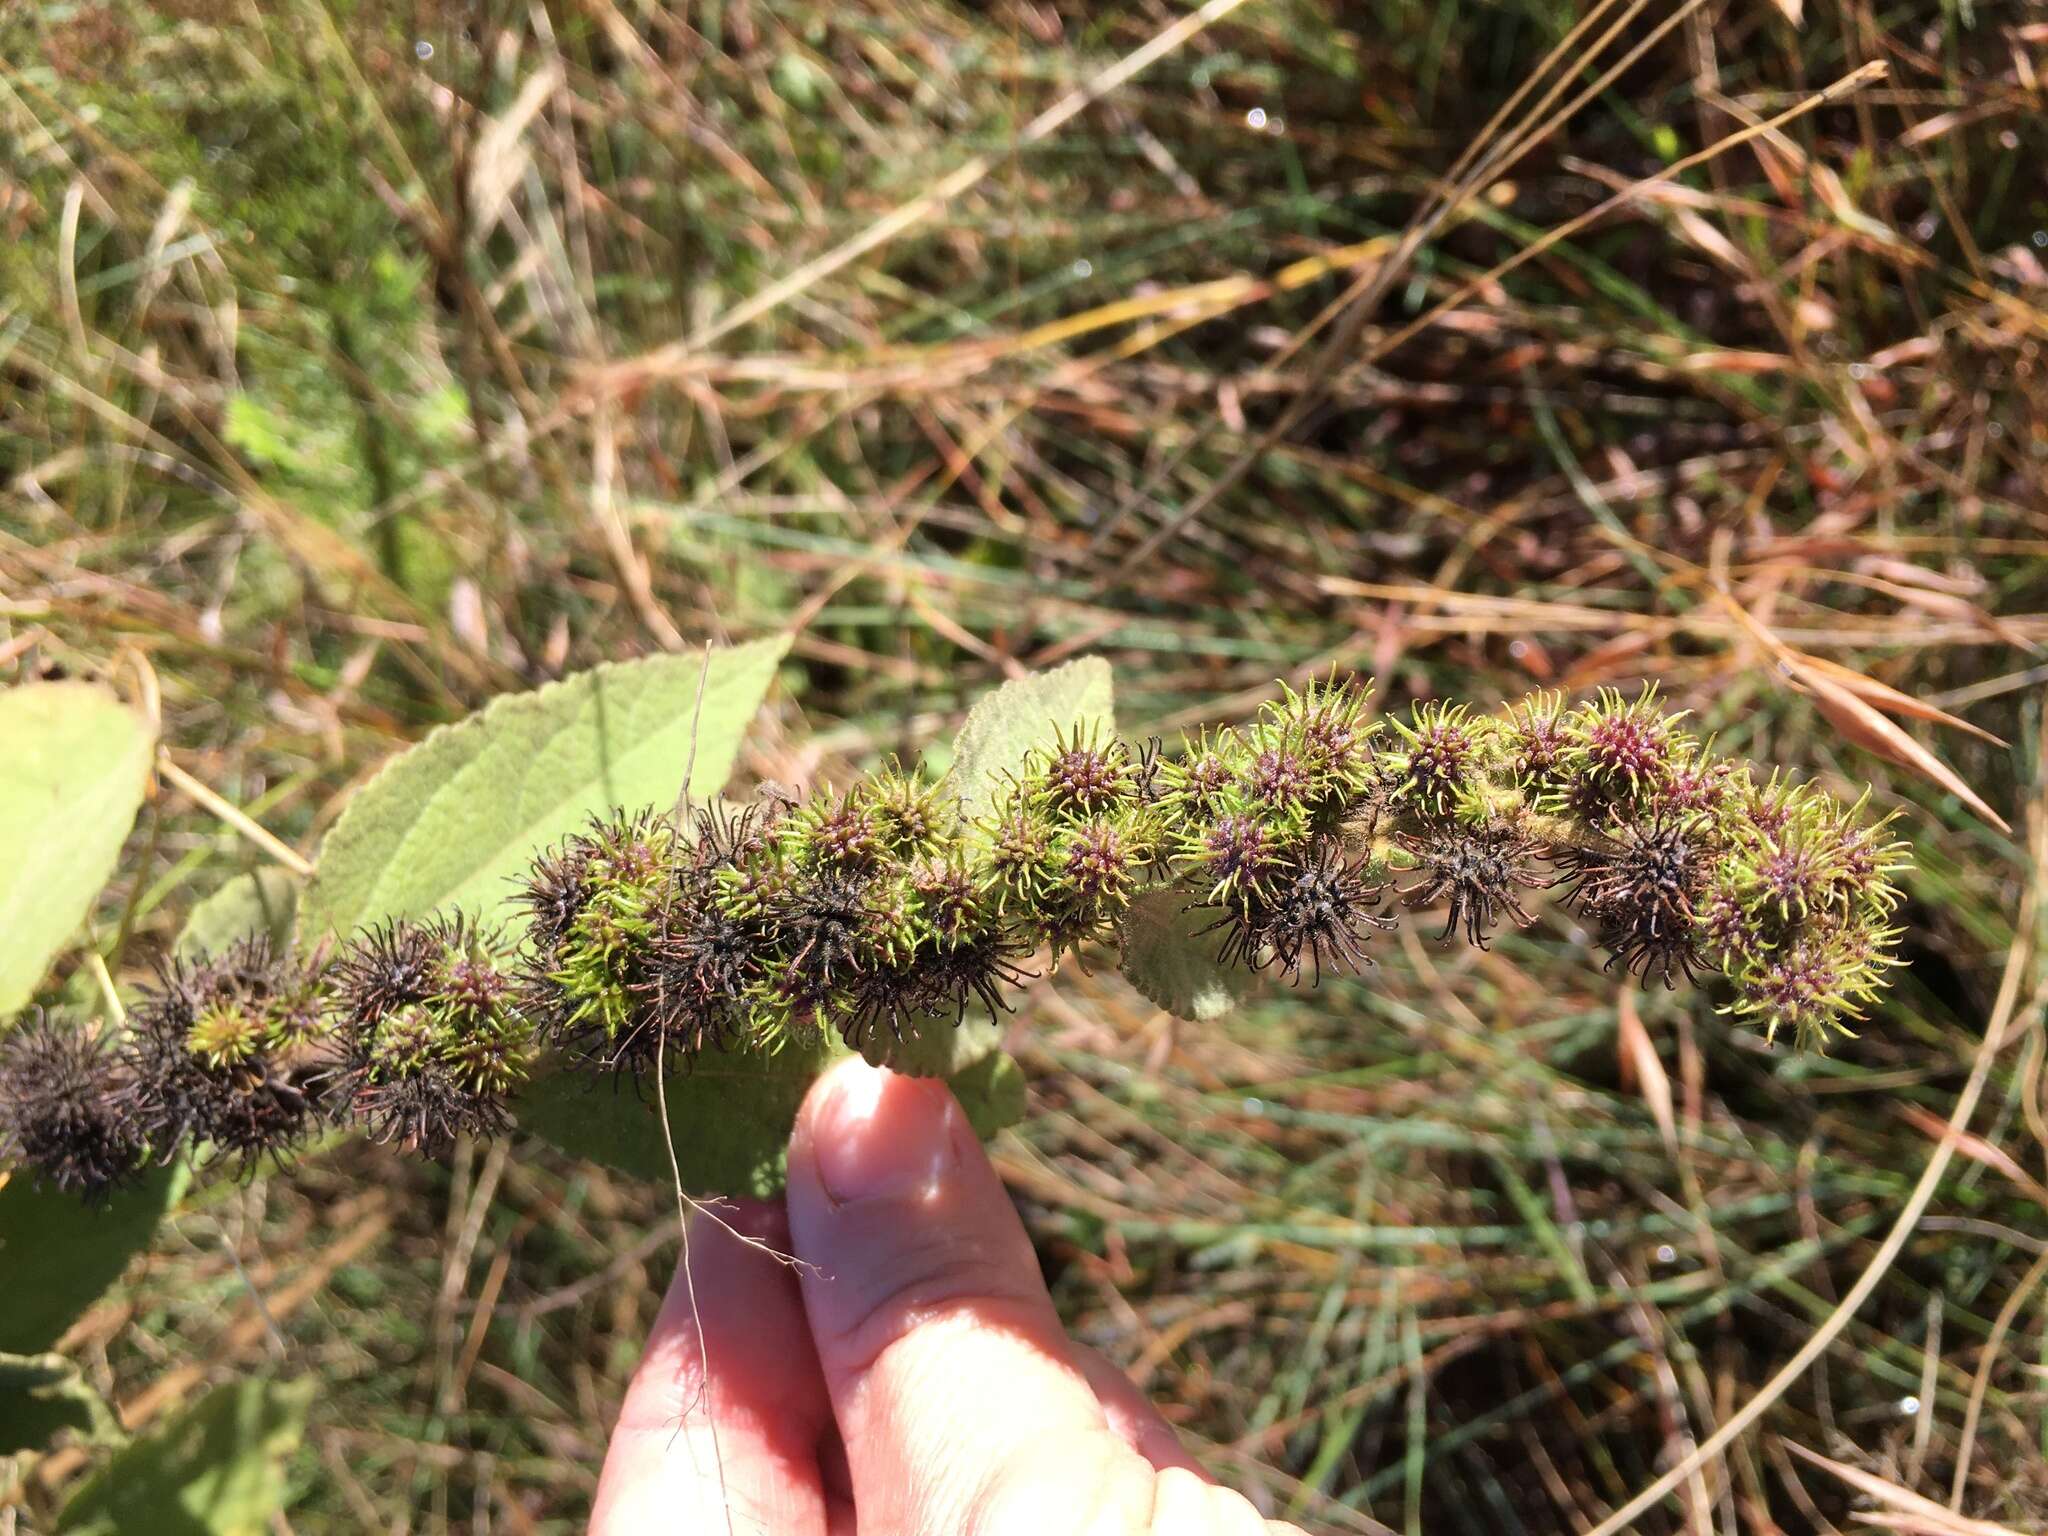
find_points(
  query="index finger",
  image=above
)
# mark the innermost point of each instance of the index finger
(721, 1423)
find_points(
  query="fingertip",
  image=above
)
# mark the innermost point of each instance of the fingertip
(923, 1291)
(1188, 1501)
(732, 1246)
(867, 1133)
(727, 1404)
(897, 1214)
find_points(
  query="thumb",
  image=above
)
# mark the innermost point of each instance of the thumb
(955, 1388)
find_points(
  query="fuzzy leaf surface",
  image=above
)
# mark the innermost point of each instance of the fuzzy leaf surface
(59, 1254)
(730, 1114)
(73, 772)
(1003, 727)
(932, 1046)
(1166, 957)
(41, 1395)
(456, 820)
(217, 1469)
(264, 901)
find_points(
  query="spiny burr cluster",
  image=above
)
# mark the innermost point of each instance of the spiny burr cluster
(884, 910)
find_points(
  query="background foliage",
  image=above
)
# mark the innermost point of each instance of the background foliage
(360, 362)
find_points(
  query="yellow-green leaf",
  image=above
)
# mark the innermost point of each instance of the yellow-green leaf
(456, 820)
(41, 1395)
(58, 1253)
(215, 1470)
(74, 766)
(1003, 727)
(1167, 957)
(263, 901)
(731, 1114)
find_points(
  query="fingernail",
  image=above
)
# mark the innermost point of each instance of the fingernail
(881, 1136)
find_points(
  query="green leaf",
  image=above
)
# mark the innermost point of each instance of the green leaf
(1166, 958)
(72, 776)
(797, 81)
(261, 901)
(933, 1046)
(457, 819)
(41, 1395)
(1004, 726)
(968, 1055)
(59, 1254)
(263, 436)
(730, 1114)
(991, 1093)
(218, 1469)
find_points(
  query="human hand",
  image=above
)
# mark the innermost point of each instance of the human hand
(907, 1376)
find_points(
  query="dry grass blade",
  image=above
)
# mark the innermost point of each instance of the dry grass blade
(342, 380)
(1639, 1059)
(1485, 161)
(2018, 965)
(235, 817)
(1978, 1150)
(1867, 75)
(1910, 1510)
(1863, 726)
(925, 204)
(501, 156)
(1887, 698)
(1859, 721)
(370, 1220)
(1993, 1352)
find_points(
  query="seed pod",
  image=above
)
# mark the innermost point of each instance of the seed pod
(1816, 986)
(555, 891)
(1865, 861)
(1237, 854)
(1619, 743)
(910, 815)
(429, 1040)
(1693, 785)
(221, 1052)
(961, 954)
(1019, 855)
(59, 1114)
(1537, 739)
(1317, 906)
(838, 834)
(1786, 877)
(1477, 874)
(1280, 779)
(692, 985)
(1441, 752)
(1096, 866)
(1081, 775)
(580, 976)
(1327, 723)
(728, 838)
(1195, 784)
(1643, 890)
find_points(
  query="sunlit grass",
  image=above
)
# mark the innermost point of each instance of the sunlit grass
(345, 384)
